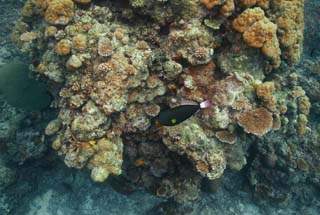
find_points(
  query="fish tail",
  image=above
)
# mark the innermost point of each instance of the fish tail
(205, 104)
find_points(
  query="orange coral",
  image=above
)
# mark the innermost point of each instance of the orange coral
(202, 167)
(63, 47)
(260, 3)
(212, 3)
(259, 32)
(228, 8)
(247, 18)
(258, 121)
(59, 12)
(265, 90)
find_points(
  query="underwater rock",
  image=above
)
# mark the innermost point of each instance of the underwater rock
(7, 176)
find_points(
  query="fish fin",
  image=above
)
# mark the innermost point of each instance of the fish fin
(188, 102)
(205, 104)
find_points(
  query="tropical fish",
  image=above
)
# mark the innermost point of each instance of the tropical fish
(176, 115)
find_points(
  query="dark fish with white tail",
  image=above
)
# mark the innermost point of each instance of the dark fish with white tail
(176, 115)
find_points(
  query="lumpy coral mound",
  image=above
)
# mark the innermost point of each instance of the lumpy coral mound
(259, 32)
(256, 121)
(59, 12)
(116, 76)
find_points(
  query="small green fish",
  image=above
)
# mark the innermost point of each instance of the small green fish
(174, 116)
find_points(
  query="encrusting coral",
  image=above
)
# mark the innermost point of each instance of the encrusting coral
(116, 70)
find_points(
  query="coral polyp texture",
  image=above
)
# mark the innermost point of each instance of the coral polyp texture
(114, 66)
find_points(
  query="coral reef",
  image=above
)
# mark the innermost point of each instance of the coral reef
(115, 65)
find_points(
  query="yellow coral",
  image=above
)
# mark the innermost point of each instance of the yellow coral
(63, 47)
(27, 10)
(304, 105)
(59, 12)
(107, 158)
(290, 19)
(302, 124)
(79, 42)
(50, 31)
(28, 36)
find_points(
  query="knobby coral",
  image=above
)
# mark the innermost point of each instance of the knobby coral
(116, 76)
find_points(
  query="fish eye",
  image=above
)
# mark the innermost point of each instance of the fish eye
(173, 121)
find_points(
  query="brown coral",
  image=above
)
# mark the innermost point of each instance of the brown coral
(226, 137)
(265, 90)
(59, 12)
(258, 121)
